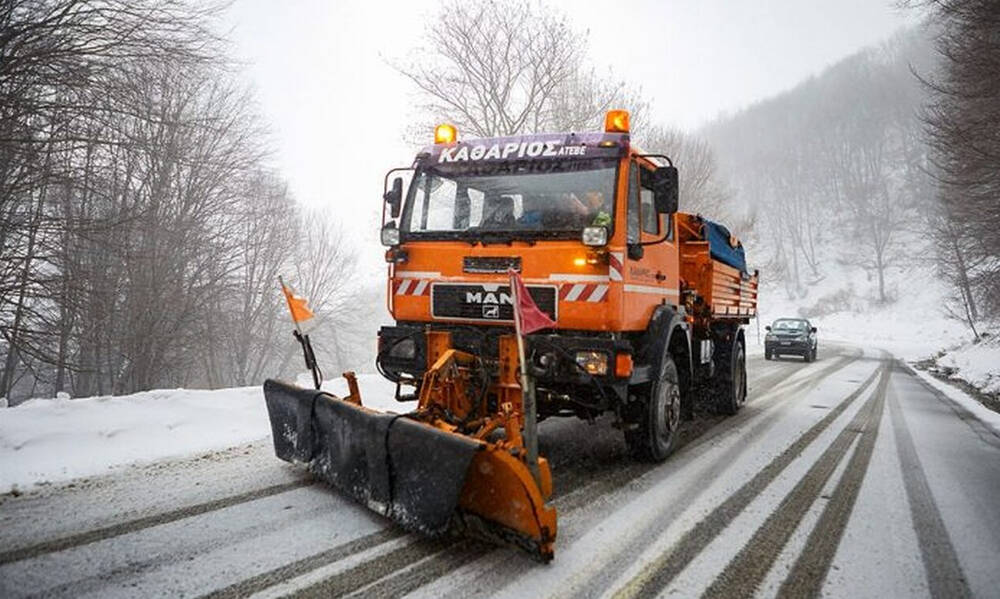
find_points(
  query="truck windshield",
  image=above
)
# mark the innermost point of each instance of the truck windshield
(529, 199)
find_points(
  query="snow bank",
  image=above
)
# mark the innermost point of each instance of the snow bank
(975, 363)
(53, 440)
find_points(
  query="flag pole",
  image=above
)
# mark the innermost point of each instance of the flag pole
(303, 339)
(527, 390)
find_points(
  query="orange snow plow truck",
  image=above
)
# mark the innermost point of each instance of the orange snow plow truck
(648, 305)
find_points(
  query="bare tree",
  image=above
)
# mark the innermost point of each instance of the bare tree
(962, 124)
(509, 67)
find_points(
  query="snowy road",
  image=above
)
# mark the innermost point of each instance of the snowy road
(847, 477)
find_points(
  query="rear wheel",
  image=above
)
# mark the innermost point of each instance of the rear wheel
(659, 417)
(730, 387)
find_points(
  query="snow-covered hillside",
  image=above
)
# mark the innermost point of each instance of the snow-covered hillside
(842, 305)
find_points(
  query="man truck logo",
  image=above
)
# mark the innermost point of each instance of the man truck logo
(533, 149)
(488, 297)
(494, 303)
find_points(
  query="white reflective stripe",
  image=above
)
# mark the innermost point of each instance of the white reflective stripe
(598, 293)
(416, 274)
(575, 292)
(578, 278)
(403, 286)
(650, 289)
(420, 287)
(615, 273)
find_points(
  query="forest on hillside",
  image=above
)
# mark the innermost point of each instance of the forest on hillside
(887, 161)
(835, 170)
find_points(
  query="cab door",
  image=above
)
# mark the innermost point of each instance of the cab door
(651, 267)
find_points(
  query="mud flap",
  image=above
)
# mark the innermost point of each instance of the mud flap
(405, 470)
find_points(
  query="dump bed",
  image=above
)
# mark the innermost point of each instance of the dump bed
(710, 287)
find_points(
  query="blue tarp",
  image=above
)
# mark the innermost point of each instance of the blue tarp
(719, 247)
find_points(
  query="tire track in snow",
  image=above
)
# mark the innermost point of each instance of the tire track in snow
(750, 566)
(123, 528)
(270, 578)
(663, 569)
(944, 572)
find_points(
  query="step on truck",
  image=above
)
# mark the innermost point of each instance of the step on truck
(646, 306)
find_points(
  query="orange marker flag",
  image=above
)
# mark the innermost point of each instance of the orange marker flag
(298, 306)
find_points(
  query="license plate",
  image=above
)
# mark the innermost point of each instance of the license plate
(786, 342)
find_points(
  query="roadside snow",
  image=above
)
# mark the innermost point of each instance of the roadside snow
(976, 363)
(51, 440)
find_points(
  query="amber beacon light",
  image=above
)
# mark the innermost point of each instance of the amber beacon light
(616, 121)
(445, 134)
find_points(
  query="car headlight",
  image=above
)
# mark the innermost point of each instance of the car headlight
(594, 236)
(594, 362)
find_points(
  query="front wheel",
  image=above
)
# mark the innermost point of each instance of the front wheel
(652, 439)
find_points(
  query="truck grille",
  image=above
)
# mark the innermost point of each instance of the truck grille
(490, 303)
(491, 264)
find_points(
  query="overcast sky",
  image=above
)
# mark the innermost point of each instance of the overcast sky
(337, 111)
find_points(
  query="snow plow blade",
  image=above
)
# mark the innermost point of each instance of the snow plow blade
(402, 469)
(426, 478)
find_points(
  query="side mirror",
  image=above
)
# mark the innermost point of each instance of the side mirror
(813, 329)
(665, 189)
(767, 328)
(394, 197)
(636, 251)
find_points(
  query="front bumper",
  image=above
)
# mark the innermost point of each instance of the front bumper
(402, 351)
(787, 346)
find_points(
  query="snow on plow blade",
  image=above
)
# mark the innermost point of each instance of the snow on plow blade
(400, 468)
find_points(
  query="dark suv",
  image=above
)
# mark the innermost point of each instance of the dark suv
(790, 336)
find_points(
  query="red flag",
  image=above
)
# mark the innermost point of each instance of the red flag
(532, 319)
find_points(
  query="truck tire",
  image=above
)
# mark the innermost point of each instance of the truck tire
(659, 417)
(730, 386)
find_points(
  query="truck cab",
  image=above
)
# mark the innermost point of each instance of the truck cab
(591, 224)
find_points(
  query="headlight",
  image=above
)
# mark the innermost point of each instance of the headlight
(403, 349)
(594, 362)
(390, 236)
(594, 236)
